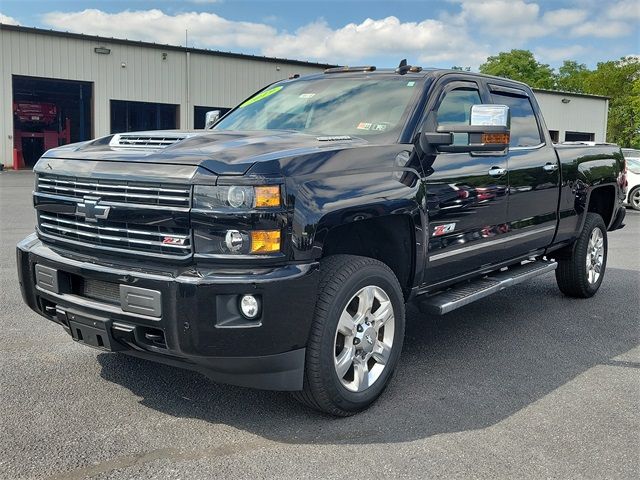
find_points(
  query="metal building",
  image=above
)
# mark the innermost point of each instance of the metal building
(574, 117)
(57, 87)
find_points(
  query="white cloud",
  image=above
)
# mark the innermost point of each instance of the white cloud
(8, 20)
(515, 21)
(429, 40)
(205, 29)
(624, 10)
(600, 29)
(564, 17)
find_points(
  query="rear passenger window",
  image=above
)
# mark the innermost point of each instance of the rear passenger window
(524, 124)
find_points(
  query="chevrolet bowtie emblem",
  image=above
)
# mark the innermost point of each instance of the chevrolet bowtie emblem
(91, 210)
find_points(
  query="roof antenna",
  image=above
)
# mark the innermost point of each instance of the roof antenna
(403, 67)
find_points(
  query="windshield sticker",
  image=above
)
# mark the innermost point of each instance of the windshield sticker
(261, 96)
(307, 95)
(376, 127)
(410, 84)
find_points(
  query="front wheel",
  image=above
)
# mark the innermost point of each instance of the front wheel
(580, 273)
(356, 335)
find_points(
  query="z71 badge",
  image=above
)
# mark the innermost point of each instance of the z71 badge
(443, 229)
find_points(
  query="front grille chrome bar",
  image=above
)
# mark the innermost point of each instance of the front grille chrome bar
(126, 192)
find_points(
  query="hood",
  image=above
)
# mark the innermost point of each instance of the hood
(222, 153)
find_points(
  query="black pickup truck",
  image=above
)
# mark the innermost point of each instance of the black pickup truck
(278, 249)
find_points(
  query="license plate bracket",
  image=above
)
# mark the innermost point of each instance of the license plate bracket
(91, 331)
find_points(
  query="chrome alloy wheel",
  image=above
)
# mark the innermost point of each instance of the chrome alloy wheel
(595, 255)
(635, 199)
(364, 338)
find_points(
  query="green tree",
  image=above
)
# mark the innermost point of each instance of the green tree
(522, 66)
(619, 80)
(571, 76)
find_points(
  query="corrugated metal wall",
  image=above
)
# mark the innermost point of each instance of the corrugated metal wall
(580, 114)
(214, 80)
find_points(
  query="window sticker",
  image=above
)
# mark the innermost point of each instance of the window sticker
(410, 84)
(379, 127)
(364, 126)
(307, 95)
(261, 96)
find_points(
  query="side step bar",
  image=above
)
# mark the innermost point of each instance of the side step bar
(466, 293)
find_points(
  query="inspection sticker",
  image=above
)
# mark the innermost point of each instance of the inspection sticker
(261, 96)
(307, 95)
(410, 84)
(364, 126)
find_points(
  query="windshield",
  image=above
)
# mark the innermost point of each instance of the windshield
(326, 106)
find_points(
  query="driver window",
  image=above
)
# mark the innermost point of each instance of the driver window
(455, 109)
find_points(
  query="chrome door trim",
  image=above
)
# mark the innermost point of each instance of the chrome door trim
(490, 243)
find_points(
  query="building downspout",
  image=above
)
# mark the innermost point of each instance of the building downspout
(187, 117)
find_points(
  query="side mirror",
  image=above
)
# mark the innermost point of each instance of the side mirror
(488, 131)
(211, 118)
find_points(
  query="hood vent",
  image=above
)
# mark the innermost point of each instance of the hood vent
(145, 140)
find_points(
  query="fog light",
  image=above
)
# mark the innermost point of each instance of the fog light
(250, 306)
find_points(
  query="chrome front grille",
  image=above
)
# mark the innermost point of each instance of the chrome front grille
(150, 240)
(133, 218)
(115, 191)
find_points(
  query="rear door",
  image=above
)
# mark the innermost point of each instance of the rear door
(466, 194)
(534, 175)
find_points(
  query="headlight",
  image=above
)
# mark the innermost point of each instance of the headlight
(236, 197)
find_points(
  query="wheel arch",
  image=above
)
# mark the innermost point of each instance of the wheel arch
(602, 200)
(390, 239)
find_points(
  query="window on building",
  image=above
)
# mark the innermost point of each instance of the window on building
(555, 136)
(525, 131)
(199, 114)
(127, 116)
(579, 137)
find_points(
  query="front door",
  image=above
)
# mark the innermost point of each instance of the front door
(466, 193)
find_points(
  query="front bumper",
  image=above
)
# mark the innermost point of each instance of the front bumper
(192, 320)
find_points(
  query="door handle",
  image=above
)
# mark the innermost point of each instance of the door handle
(550, 167)
(497, 171)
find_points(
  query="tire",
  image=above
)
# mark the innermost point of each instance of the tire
(347, 282)
(634, 198)
(574, 276)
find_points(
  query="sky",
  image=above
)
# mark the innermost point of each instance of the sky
(439, 33)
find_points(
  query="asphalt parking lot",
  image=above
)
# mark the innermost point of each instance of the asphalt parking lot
(523, 384)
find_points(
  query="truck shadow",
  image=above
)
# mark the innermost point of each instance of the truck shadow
(467, 370)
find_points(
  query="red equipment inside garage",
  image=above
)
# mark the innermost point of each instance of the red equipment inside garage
(46, 114)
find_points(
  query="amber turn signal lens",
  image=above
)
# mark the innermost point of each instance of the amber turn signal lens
(265, 241)
(268, 196)
(495, 138)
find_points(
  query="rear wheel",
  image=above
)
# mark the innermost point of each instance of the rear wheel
(580, 273)
(356, 336)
